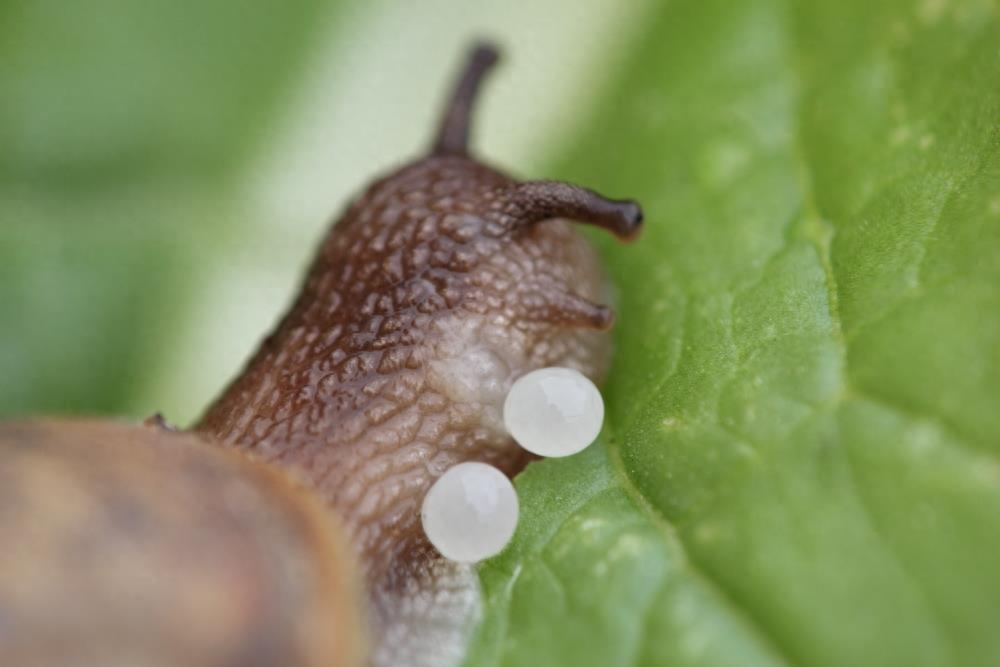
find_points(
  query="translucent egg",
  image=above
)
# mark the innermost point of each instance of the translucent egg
(470, 512)
(554, 412)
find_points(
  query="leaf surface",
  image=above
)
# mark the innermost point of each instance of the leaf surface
(799, 464)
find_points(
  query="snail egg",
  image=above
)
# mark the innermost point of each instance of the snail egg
(554, 412)
(470, 512)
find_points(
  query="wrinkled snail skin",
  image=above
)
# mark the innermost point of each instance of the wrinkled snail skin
(132, 545)
(440, 285)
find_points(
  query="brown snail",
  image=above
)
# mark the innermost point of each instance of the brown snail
(441, 285)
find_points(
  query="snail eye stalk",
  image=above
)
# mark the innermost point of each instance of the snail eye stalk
(453, 135)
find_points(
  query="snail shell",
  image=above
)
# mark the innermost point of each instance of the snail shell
(133, 545)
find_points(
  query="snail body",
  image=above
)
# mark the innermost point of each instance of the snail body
(440, 286)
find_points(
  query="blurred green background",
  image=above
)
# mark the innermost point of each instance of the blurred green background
(167, 167)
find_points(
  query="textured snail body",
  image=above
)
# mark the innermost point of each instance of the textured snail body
(422, 308)
(440, 285)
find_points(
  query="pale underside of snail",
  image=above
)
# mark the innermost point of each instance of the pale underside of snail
(441, 285)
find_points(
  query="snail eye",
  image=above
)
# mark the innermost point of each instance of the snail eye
(470, 512)
(554, 412)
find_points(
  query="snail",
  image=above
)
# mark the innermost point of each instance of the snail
(442, 284)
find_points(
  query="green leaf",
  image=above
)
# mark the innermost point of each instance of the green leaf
(800, 461)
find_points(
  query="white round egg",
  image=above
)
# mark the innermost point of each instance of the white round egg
(470, 512)
(554, 412)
